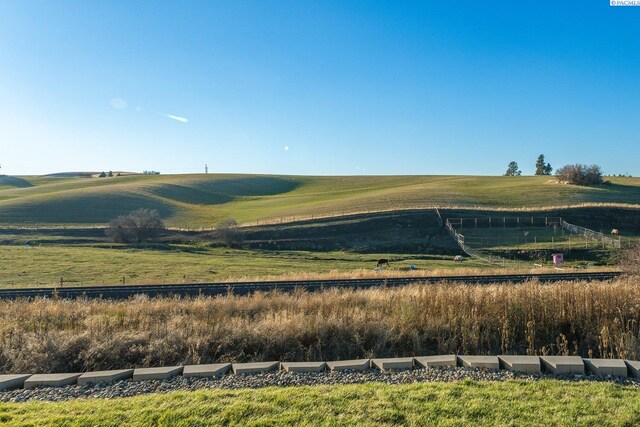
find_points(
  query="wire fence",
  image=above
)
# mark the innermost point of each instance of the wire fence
(476, 246)
(477, 254)
(505, 222)
(590, 234)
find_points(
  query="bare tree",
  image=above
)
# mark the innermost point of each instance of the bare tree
(228, 232)
(136, 227)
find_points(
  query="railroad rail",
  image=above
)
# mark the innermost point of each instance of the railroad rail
(246, 288)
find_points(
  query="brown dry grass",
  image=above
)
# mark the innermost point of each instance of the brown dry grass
(590, 319)
(435, 272)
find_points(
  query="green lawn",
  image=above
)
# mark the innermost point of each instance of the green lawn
(89, 265)
(513, 403)
(204, 200)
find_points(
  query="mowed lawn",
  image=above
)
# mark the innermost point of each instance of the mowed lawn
(513, 403)
(87, 265)
(205, 200)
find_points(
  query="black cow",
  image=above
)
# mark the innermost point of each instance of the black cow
(383, 261)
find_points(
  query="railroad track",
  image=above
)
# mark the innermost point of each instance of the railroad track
(245, 288)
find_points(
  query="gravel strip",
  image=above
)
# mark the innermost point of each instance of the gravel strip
(283, 379)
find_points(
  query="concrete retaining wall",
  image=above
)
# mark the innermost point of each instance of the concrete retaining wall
(560, 365)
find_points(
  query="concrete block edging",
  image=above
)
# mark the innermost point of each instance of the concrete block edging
(556, 365)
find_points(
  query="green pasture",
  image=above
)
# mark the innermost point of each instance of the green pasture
(204, 200)
(466, 403)
(81, 265)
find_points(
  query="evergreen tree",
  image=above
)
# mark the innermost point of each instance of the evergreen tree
(543, 168)
(513, 170)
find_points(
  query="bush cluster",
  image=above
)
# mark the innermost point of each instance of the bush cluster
(579, 174)
(138, 226)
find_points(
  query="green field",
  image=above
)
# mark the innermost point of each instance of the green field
(204, 200)
(467, 403)
(87, 265)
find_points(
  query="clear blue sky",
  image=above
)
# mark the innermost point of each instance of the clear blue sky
(325, 87)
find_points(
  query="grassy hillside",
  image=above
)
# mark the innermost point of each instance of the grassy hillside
(203, 200)
(514, 403)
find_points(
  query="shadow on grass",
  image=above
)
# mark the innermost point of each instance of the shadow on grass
(13, 181)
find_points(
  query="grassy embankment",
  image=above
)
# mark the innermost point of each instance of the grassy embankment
(597, 319)
(513, 403)
(204, 200)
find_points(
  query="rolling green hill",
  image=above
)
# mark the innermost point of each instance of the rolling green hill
(204, 200)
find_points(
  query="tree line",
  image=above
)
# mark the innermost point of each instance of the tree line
(577, 174)
(542, 168)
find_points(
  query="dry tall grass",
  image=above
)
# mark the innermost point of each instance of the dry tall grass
(590, 319)
(434, 272)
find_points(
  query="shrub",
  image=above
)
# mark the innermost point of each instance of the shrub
(630, 260)
(228, 233)
(579, 174)
(136, 227)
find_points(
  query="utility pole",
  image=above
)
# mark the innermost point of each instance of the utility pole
(206, 168)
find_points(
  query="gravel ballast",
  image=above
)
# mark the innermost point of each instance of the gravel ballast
(128, 388)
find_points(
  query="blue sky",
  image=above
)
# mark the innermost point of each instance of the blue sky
(326, 87)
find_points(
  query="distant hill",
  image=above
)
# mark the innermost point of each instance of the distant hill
(71, 175)
(85, 174)
(204, 200)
